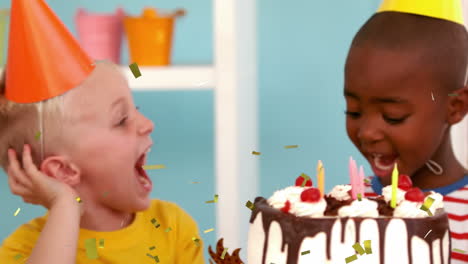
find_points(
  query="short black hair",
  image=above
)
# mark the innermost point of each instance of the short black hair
(442, 44)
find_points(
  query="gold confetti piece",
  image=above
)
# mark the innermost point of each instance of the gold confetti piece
(224, 253)
(256, 153)
(78, 199)
(38, 135)
(101, 243)
(208, 230)
(17, 211)
(367, 246)
(91, 250)
(306, 178)
(459, 250)
(135, 70)
(196, 240)
(156, 258)
(358, 248)
(427, 204)
(359, 197)
(168, 229)
(216, 198)
(305, 252)
(18, 256)
(291, 146)
(427, 233)
(154, 167)
(195, 182)
(250, 205)
(432, 95)
(351, 258)
(452, 94)
(151, 248)
(155, 223)
(367, 181)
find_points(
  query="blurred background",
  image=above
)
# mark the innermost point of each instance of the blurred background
(301, 48)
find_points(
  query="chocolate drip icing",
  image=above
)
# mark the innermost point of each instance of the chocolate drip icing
(295, 229)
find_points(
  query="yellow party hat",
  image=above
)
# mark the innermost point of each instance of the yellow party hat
(450, 10)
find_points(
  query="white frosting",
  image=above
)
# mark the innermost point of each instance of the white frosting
(409, 209)
(387, 194)
(363, 208)
(340, 192)
(316, 209)
(291, 194)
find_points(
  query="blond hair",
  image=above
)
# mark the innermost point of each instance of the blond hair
(21, 124)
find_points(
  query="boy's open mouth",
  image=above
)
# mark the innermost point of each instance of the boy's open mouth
(143, 178)
(382, 165)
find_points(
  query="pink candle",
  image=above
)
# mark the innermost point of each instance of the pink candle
(361, 181)
(353, 175)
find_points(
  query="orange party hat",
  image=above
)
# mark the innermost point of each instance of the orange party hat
(44, 59)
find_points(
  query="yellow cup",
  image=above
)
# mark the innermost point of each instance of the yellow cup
(3, 38)
(150, 38)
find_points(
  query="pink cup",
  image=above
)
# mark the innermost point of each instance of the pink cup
(100, 35)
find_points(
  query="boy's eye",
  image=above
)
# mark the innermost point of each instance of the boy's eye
(394, 121)
(353, 115)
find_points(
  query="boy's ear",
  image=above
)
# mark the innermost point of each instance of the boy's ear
(62, 169)
(458, 105)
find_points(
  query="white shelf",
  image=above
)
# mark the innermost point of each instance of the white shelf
(180, 77)
(196, 77)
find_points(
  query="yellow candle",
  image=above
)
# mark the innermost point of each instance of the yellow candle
(321, 177)
(394, 186)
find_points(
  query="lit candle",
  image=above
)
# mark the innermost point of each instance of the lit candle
(321, 178)
(394, 186)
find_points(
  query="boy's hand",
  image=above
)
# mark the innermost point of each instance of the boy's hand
(34, 186)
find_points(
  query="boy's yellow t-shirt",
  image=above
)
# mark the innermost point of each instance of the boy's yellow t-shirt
(171, 242)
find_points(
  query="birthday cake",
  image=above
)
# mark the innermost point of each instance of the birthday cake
(299, 225)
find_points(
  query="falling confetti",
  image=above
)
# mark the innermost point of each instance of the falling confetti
(215, 199)
(195, 182)
(306, 178)
(196, 240)
(305, 252)
(18, 256)
(101, 243)
(91, 250)
(351, 258)
(38, 135)
(452, 94)
(153, 167)
(224, 253)
(256, 153)
(432, 95)
(291, 146)
(459, 250)
(78, 199)
(156, 258)
(427, 233)
(208, 230)
(250, 205)
(155, 223)
(359, 197)
(168, 229)
(17, 211)
(135, 70)
(358, 248)
(367, 181)
(151, 248)
(367, 246)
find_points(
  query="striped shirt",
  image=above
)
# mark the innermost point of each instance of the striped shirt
(456, 206)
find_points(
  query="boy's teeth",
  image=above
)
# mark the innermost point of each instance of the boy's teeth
(381, 166)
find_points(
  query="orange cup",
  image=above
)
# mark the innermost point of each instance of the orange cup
(150, 37)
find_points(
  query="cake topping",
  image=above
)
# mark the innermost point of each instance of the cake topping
(309, 209)
(404, 182)
(287, 207)
(300, 180)
(415, 195)
(363, 208)
(310, 195)
(341, 192)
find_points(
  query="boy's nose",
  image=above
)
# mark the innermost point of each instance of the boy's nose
(369, 133)
(146, 126)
